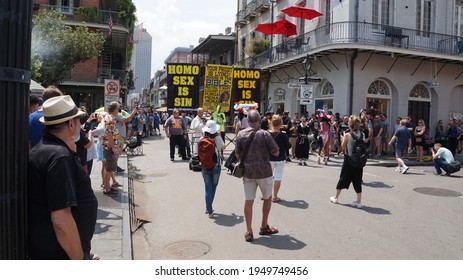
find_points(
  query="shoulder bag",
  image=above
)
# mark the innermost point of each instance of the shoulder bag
(238, 171)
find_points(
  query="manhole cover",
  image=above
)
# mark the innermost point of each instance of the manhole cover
(186, 250)
(437, 192)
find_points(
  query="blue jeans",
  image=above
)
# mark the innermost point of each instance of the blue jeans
(211, 180)
(440, 163)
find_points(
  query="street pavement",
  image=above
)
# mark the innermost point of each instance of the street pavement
(406, 216)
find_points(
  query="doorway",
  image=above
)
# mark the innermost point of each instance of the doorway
(419, 110)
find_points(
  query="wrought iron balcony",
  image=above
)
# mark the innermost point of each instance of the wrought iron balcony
(262, 5)
(101, 18)
(363, 35)
(240, 20)
(250, 11)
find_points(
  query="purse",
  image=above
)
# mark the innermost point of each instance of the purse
(238, 171)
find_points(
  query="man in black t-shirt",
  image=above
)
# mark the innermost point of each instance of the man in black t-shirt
(62, 206)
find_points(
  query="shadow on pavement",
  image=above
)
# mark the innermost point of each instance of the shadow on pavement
(371, 210)
(228, 220)
(279, 242)
(299, 204)
(377, 185)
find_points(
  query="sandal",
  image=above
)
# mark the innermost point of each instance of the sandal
(116, 185)
(248, 236)
(276, 199)
(268, 230)
(111, 192)
(94, 257)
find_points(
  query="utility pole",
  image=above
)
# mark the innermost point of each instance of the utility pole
(15, 56)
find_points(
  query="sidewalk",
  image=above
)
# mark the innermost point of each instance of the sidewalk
(113, 240)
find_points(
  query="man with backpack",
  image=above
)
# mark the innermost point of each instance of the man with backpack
(209, 152)
(355, 156)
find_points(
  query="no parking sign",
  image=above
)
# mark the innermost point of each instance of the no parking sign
(111, 91)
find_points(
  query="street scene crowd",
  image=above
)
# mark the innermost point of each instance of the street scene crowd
(63, 206)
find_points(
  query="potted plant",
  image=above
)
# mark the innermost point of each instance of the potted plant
(87, 13)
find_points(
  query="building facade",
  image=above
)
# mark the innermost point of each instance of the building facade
(85, 81)
(399, 58)
(141, 58)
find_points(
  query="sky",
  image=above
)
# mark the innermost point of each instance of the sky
(180, 23)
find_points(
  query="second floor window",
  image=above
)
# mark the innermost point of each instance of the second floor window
(381, 12)
(423, 17)
(459, 17)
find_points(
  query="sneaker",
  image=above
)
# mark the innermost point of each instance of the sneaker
(288, 159)
(356, 204)
(318, 159)
(305, 163)
(211, 216)
(172, 159)
(398, 169)
(300, 163)
(334, 200)
(437, 174)
(405, 169)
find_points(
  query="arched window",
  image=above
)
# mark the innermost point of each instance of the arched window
(419, 91)
(327, 90)
(378, 88)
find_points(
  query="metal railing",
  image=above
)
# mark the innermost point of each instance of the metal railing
(360, 33)
(250, 9)
(101, 18)
(102, 73)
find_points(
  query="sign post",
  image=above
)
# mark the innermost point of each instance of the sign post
(112, 90)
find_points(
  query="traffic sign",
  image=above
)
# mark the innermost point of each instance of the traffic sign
(293, 85)
(310, 80)
(111, 87)
(306, 91)
(306, 101)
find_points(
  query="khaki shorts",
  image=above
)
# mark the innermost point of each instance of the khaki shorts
(250, 187)
(111, 161)
(377, 141)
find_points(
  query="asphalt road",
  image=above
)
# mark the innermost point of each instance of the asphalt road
(406, 216)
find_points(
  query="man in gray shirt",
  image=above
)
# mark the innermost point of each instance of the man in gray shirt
(176, 131)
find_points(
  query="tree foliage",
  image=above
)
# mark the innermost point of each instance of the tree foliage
(56, 47)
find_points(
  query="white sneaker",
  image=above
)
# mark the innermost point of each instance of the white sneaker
(405, 169)
(318, 159)
(334, 200)
(398, 169)
(356, 204)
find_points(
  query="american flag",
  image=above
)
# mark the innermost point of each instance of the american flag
(110, 25)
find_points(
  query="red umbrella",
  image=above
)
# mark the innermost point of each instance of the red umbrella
(266, 28)
(301, 12)
(285, 27)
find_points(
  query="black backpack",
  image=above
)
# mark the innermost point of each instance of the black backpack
(358, 156)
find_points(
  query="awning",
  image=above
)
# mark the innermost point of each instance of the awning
(36, 88)
(162, 109)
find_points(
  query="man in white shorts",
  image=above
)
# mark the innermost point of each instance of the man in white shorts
(257, 171)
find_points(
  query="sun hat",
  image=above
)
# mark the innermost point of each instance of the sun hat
(59, 109)
(211, 127)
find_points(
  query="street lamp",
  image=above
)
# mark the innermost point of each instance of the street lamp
(307, 64)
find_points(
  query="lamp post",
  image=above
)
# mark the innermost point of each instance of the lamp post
(307, 64)
(271, 35)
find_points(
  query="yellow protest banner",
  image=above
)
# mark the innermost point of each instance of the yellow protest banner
(218, 81)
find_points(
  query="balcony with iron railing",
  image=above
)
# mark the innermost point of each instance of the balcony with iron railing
(262, 5)
(361, 34)
(240, 20)
(102, 74)
(250, 10)
(102, 16)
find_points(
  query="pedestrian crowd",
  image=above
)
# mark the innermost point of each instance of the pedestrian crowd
(63, 206)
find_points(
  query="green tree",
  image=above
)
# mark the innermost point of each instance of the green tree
(56, 47)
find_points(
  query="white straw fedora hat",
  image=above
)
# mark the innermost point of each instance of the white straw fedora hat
(59, 109)
(211, 127)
